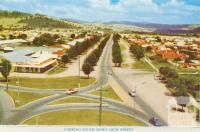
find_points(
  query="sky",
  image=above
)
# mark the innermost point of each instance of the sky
(154, 11)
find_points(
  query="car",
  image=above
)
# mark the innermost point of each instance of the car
(155, 121)
(72, 91)
(132, 93)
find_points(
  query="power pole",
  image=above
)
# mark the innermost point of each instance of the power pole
(100, 108)
(79, 70)
(7, 77)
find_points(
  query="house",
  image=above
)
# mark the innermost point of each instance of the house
(169, 54)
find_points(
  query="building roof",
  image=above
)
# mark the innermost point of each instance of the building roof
(172, 55)
(12, 41)
(41, 56)
(72, 43)
(23, 54)
(8, 49)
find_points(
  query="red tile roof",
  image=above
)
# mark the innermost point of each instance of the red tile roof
(172, 55)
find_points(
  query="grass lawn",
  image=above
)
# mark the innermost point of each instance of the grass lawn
(83, 117)
(52, 83)
(25, 97)
(56, 70)
(108, 93)
(73, 100)
(178, 69)
(143, 65)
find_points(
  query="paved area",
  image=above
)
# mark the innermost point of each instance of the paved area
(6, 105)
(41, 105)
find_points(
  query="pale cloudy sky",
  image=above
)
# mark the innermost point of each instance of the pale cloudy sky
(157, 11)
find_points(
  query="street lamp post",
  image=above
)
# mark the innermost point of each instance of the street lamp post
(100, 108)
(79, 70)
(7, 77)
(18, 91)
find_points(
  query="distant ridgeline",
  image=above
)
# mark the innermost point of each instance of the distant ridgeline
(13, 14)
(36, 20)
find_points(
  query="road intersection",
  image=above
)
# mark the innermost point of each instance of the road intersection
(104, 70)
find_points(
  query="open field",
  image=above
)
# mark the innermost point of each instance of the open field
(107, 92)
(25, 97)
(73, 100)
(83, 117)
(52, 83)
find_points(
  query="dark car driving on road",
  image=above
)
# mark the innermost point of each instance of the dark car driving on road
(155, 121)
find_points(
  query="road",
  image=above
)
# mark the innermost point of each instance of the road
(39, 106)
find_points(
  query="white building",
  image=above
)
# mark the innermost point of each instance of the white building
(38, 62)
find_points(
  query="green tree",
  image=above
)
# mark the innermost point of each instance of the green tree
(87, 69)
(44, 39)
(1, 27)
(73, 36)
(5, 68)
(65, 59)
(137, 51)
(92, 59)
(168, 72)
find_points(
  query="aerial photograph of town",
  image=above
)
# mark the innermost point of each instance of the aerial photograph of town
(98, 63)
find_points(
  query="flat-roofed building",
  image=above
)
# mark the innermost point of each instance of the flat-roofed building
(32, 60)
(11, 42)
(38, 62)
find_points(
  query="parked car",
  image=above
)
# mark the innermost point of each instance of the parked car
(132, 93)
(72, 91)
(155, 121)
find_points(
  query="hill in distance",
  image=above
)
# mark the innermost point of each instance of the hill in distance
(16, 20)
(163, 28)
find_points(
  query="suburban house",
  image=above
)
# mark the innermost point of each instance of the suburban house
(169, 54)
(193, 63)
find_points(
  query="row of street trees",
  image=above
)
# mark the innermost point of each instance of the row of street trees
(183, 84)
(137, 51)
(79, 48)
(116, 52)
(93, 58)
